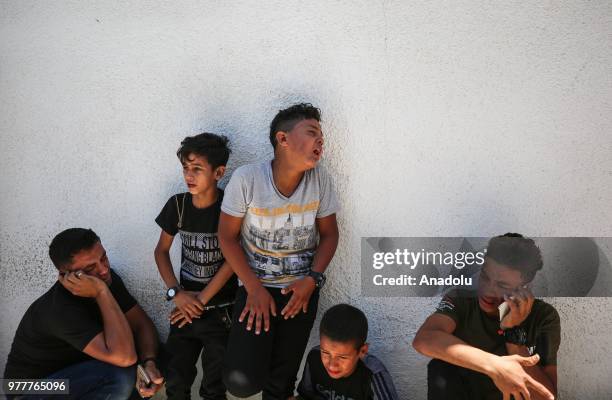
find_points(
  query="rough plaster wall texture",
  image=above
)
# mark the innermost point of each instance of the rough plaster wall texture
(441, 119)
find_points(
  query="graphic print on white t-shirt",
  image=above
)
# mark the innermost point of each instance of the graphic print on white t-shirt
(281, 241)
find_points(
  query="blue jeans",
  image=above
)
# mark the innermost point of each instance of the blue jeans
(95, 380)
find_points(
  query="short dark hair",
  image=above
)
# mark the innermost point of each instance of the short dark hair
(345, 323)
(517, 252)
(286, 119)
(215, 148)
(68, 243)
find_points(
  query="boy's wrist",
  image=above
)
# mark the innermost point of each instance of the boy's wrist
(173, 292)
(102, 290)
(489, 366)
(311, 280)
(317, 277)
(252, 285)
(202, 298)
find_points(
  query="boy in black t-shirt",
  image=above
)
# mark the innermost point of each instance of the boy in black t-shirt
(341, 368)
(481, 353)
(207, 286)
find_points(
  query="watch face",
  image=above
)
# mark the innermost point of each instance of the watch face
(171, 292)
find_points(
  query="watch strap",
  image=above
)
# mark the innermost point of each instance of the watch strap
(176, 289)
(318, 277)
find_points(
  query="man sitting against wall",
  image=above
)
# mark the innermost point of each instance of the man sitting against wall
(478, 354)
(86, 328)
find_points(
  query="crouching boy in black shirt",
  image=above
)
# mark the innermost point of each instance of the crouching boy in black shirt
(341, 368)
(479, 354)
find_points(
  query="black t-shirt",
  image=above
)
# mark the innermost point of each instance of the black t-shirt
(369, 381)
(480, 330)
(56, 328)
(201, 255)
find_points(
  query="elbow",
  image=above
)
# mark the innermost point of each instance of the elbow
(160, 253)
(330, 239)
(122, 358)
(157, 252)
(419, 343)
(129, 361)
(226, 240)
(222, 239)
(126, 360)
(334, 237)
(331, 233)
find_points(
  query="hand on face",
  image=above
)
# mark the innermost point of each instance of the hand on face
(520, 303)
(81, 284)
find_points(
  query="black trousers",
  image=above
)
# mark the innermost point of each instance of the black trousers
(270, 361)
(450, 382)
(209, 333)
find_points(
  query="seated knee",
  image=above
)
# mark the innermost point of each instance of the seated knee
(240, 384)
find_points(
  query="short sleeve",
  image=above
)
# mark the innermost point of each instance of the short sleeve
(75, 325)
(123, 298)
(452, 305)
(328, 203)
(548, 336)
(168, 216)
(236, 194)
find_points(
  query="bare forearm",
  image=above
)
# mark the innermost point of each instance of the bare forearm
(117, 333)
(325, 252)
(146, 340)
(447, 347)
(234, 254)
(535, 371)
(164, 265)
(212, 288)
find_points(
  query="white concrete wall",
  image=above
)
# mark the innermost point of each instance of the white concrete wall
(441, 118)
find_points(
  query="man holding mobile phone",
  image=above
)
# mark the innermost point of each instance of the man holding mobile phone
(86, 328)
(479, 353)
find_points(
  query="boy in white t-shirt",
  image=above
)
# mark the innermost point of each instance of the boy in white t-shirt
(278, 232)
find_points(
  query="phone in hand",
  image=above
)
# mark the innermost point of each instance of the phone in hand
(504, 309)
(142, 374)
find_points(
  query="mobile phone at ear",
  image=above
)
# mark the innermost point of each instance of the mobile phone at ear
(504, 309)
(142, 374)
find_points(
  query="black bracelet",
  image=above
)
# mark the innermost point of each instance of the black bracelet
(516, 335)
